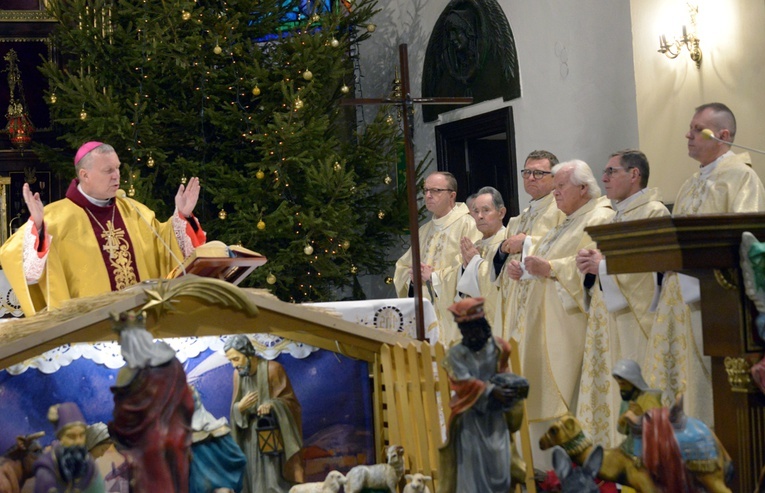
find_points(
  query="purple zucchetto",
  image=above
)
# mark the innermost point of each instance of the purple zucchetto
(85, 149)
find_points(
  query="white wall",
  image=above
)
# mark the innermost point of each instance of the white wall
(732, 72)
(577, 80)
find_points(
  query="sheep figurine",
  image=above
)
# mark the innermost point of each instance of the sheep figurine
(417, 483)
(331, 484)
(378, 476)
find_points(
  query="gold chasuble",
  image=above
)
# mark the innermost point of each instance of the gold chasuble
(618, 324)
(440, 248)
(535, 221)
(476, 279)
(675, 360)
(552, 319)
(93, 250)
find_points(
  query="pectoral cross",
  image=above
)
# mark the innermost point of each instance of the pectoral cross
(406, 102)
(111, 236)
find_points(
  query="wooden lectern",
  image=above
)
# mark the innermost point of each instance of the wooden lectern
(707, 247)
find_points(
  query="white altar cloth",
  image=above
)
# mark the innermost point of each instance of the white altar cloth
(394, 314)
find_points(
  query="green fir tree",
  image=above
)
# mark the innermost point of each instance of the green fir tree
(244, 94)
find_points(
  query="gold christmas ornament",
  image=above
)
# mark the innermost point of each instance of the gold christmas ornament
(334, 43)
(271, 279)
(131, 191)
(337, 166)
(371, 28)
(388, 180)
(389, 120)
(353, 189)
(53, 98)
(186, 15)
(389, 280)
(308, 250)
(345, 89)
(256, 91)
(315, 18)
(222, 215)
(346, 244)
(298, 104)
(354, 269)
(183, 180)
(83, 115)
(150, 162)
(217, 50)
(381, 214)
(261, 225)
(260, 175)
(307, 75)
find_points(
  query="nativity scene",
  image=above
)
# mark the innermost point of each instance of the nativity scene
(241, 252)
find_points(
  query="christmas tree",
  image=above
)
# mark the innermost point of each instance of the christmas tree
(244, 94)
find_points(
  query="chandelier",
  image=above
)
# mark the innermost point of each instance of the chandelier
(19, 127)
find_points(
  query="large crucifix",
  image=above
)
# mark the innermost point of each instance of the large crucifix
(406, 102)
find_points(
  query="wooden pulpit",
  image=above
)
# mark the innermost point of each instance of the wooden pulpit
(707, 247)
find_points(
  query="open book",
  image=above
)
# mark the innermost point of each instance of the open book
(217, 260)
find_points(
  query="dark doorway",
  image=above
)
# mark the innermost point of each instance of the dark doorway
(480, 151)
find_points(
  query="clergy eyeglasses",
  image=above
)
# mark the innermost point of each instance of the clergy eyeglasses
(434, 191)
(611, 170)
(537, 173)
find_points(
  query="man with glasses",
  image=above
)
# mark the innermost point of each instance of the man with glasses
(534, 222)
(440, 255)
(474, 277)
(551, 317)
(620, 318)
(724, 183)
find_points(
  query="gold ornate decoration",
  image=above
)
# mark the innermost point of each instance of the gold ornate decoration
(19, 127)
(213, 291)
(739, 376)
(726, 279)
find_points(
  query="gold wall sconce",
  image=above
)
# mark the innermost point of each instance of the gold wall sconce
(689, 40)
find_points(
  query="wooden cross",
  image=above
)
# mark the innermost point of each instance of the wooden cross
(406, 102)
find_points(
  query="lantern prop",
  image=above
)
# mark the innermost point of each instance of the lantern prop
(19, 127)
(269, 436)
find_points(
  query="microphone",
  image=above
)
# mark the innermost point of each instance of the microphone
(122, 195)
(709, 135)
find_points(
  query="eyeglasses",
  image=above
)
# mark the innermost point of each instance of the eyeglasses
(434, 191)
(611, 171)
(537, 173)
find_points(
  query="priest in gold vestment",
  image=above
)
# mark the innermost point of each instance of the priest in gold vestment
(475, 277)
(92, 242)
(619, 317)
(552, 318)
(533, 223)
(439, 251)
(724, 183)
